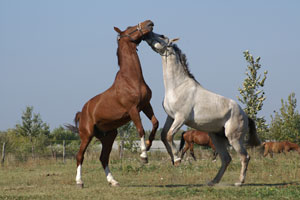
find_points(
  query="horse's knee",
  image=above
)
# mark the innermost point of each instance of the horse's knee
(169, 137)
(245, 158)
(163, 138)
(226, 159)
(155, 124)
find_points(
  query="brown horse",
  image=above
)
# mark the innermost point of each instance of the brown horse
(122, 102)
(279, 147)
(198, 137)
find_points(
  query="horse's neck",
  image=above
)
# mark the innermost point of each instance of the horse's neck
(173, 72)
(129, 61)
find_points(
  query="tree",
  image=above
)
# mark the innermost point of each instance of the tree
(127, 137)
(32, 126)
(252, 96)
(285, 125)
(59, 134)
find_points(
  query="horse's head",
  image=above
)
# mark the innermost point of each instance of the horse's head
(160, 43)
(135, 33)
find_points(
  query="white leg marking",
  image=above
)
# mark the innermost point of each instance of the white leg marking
(176, 158)
(110, 178)
(143, 148)
(78, 175)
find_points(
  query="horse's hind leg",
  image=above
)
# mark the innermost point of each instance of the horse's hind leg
(237, 144)
(107, 142)
(177, 123)
(86, 138)
(266, 150)
(164, 132)
(220, 143)
(150, 114)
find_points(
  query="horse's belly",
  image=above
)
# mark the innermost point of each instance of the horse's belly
(112, 124)
(206, 125)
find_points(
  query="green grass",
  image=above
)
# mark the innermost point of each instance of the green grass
(277, 178)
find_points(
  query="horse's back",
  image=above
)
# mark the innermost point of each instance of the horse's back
(212, 111)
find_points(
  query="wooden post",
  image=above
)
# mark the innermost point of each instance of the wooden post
(3, 154)
(121, 145)
(64, 150)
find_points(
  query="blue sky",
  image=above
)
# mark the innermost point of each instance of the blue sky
(56, 55)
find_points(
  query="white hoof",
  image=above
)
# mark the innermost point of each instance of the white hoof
(79, 184)
(238, 184)
(114, 183)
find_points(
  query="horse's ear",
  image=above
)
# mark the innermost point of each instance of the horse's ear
(174, 40)
(117, 29)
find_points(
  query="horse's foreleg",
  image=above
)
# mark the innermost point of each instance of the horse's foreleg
(164, 132)
(192, 151)
(177, 123)
(286, 150)
(150, 114)
(135, 117)
(85, 140)
(220, 143)
(107, 143)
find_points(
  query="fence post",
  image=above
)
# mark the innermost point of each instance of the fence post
(3, 154)
(64, 151)
(121, 145)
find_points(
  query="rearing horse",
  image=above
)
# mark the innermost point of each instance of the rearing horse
(187, 102)
(122, 102)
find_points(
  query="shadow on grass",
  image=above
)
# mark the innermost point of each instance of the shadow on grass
(168, 186)
(272, 184)
(218, 185)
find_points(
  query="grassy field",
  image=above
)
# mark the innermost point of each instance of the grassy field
(277, 178)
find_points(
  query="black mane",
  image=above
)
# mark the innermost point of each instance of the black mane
(183, 60)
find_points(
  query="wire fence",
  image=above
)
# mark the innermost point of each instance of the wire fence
(63, 149)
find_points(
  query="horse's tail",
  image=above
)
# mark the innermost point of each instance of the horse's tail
(72, 128)
(253, 138)
(182, 141)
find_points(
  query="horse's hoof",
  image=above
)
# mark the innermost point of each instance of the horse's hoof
(238, 184)
(80, 185)
(211, 183)
(177, 163)
(148, 145)
(144, 160)
(114, 184)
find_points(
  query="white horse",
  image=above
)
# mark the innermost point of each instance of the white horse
(187, 102)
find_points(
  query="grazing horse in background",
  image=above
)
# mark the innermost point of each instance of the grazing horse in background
(187, 102)
(279, 147)
(188, 138)
(122, 102)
